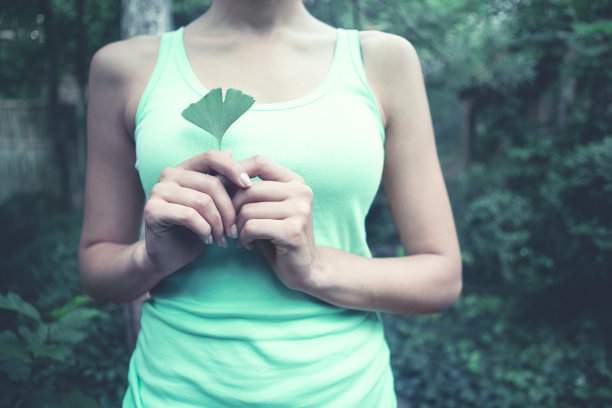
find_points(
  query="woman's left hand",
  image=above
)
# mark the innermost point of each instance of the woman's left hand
(276, 215)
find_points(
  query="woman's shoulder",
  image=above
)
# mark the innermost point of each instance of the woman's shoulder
(384, 41)
(387, 52)
(120, 62)
(391, 65)
(120, 72)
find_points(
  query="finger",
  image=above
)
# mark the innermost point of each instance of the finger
(215, 187)
(289, 232)
(266, 169)
(262, 210)
(162, 215)
(261, 191)
(204, 204)
(256, 229)
(210, 185)
(219, 162)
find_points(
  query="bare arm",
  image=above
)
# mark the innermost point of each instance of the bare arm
(186, 210)
(427, 280)
(112, 260)
(430, 278)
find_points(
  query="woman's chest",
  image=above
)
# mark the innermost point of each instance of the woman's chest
(275, 72)
(331, 143)
(334, 144)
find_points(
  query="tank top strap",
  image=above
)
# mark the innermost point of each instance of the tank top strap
(167, 49)
(353, 53)
(176, 48)
(354, 75)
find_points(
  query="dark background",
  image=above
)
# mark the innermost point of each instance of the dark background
(521, 97)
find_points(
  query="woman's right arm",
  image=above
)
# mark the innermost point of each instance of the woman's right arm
(112, 261)
(187, 208)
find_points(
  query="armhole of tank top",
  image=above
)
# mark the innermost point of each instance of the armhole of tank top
(357, 60)
(160, 63)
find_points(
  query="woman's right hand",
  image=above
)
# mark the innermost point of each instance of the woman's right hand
(189, 207)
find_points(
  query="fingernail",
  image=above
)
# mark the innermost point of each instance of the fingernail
(223, 242)
(209, 240)
(246, 180)
(234, 231)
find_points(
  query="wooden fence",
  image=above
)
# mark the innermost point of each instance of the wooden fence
(31, 160)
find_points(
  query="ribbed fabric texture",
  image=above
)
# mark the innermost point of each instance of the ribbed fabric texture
(224, 331)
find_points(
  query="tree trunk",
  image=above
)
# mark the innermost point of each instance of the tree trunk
(332, 13)
(467, 128)
(81, 67)
(142, 17)
(356, 14)
(56, 119)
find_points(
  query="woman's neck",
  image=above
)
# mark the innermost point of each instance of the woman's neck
(256, 16)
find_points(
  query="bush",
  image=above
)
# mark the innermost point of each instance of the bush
(39, 264)
(31, 349)
(498, 240)
(579, 192)
(477, 355)
(542, 234)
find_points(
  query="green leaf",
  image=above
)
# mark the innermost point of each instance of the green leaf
(9, 391)
(14, 349)
(77, 301)
(72, 327)
(34, 336)
(45, 397)
(13, 301)
(54, 351)
(214, 115)
(76, 399)
(79, 318)
(66, 335)
(16, 370)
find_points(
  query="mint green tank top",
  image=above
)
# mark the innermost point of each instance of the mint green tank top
(224, 331)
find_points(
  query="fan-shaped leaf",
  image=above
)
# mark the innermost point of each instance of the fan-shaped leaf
(214, 115)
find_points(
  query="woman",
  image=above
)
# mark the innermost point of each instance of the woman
(287, 314)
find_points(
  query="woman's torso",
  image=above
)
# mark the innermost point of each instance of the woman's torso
(224, 328)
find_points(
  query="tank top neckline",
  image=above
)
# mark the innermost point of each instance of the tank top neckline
(320, 90)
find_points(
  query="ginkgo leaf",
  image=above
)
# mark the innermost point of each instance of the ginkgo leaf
(215, 115)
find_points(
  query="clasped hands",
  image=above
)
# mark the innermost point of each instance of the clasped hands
(210, 196)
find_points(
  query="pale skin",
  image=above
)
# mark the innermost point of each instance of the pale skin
(188, 209)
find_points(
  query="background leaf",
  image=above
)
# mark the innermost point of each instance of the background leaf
(16, 370)
(76, 399)
(54, 351)
(75, 302)
(71, 328)
(13, 301)
(38, 336)
(11, 346)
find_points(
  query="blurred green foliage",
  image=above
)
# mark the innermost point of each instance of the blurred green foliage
(532, 195)
(27, 355)
(478, 354)
(521, 98)
(24, 66)
(57, 347)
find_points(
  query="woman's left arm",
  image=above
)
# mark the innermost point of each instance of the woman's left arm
(426, 281)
